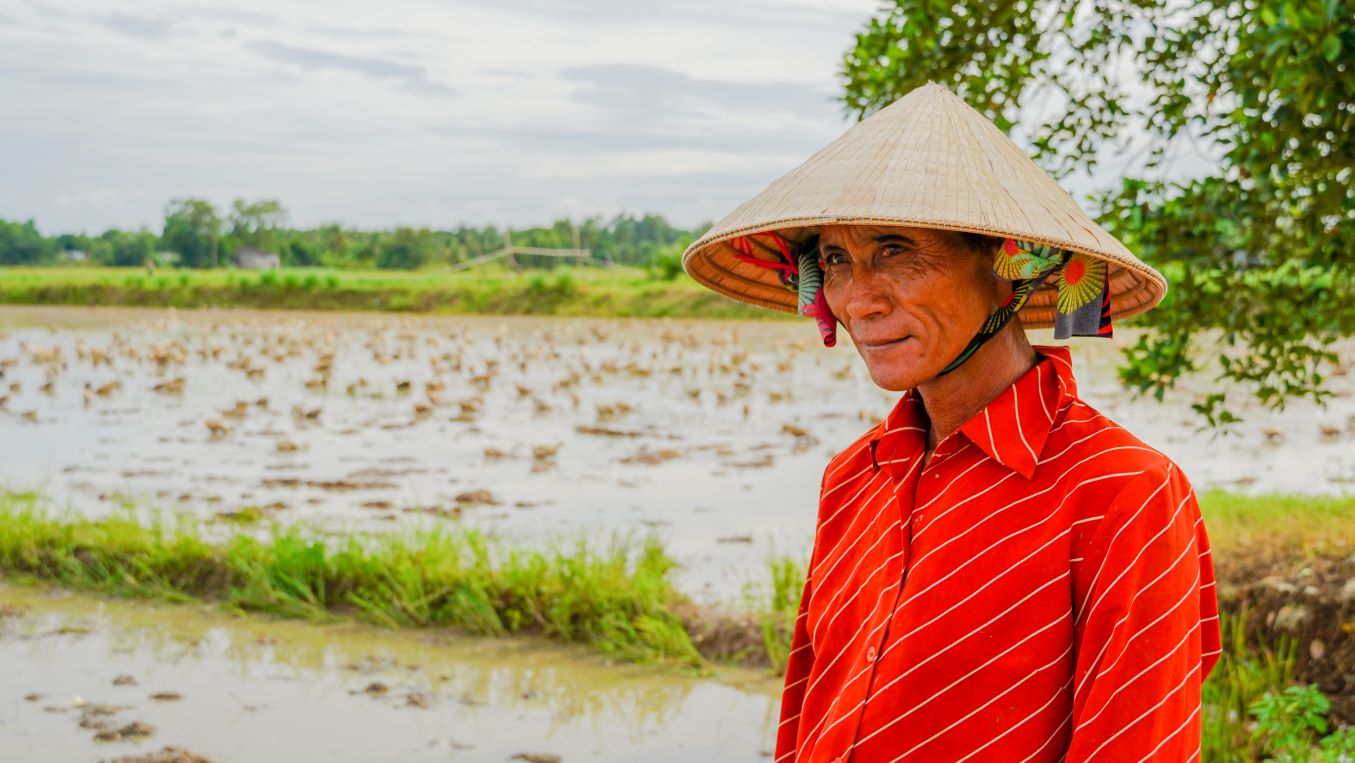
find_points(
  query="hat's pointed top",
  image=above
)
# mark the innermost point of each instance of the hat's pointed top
(928, 160)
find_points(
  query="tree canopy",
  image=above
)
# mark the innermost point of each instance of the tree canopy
(193, 231)
(1260, 249)
(196, 234)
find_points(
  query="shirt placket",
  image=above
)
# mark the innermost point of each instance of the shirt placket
(904, 499)
(920, 488)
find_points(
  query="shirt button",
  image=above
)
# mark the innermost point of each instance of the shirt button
(870, 654)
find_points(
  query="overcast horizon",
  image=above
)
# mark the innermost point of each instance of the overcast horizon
(478, 112)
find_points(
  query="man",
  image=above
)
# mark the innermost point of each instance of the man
(999, 571)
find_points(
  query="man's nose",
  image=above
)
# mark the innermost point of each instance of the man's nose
(867, 294)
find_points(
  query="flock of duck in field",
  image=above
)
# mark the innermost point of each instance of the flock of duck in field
(269, 382)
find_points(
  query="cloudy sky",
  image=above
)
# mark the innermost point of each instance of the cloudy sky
(421, 112)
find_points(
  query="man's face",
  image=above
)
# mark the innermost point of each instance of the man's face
(911, 298)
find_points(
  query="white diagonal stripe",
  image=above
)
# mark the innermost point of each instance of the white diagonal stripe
(1145, 714)
(913, 565)
(1018, 724)
(957, 681)
(1097, 576)
(1191, 591)
(838, 552)
(840, 591)
(919, 531)
(851, 680)
(1168, 737)
(1122, 685)
(1017, 415)
(947, 648)
(1111, 586)
(1066, 720)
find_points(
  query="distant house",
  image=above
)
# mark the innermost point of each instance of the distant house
(249, 258)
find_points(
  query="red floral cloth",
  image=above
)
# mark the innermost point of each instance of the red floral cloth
(1040, 590)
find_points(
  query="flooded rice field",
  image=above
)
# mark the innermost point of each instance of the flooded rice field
(89, 679)
(713, 435)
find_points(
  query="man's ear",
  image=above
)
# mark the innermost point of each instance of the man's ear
(1003, 288)
(985, 258)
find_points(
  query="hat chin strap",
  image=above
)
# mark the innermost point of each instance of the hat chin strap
(1021, 290)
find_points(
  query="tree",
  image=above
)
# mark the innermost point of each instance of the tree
(193, 232)
(22, 244)
(256, 223)
(299, 252)
(406, 249)
(129, 249)
(333, 243)
(1261, 249)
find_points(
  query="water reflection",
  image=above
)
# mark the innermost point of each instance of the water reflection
(257, 689)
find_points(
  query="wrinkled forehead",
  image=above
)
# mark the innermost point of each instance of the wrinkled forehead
(855, 235)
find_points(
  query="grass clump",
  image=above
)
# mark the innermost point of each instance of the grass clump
(1243, 676)
(614, 599)
(776, 605)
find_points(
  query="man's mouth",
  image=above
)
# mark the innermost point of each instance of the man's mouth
(880, 344)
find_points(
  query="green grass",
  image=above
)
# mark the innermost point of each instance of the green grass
(775, 604)
(1243, 675)
(1253, 710)
(1278, 523)
(614, 599)
(613, 292)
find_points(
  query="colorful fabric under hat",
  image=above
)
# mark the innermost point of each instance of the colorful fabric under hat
(797, 271)
(1083, 306)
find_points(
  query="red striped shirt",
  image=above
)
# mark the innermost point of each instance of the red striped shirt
(1040, 590)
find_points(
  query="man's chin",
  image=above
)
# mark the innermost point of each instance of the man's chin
(893, 378)
(896, 370)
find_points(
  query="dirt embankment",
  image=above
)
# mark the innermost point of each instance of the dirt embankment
(1312, 601)
(723, 636)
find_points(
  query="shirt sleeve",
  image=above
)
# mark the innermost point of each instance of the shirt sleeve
(798, 665)
(1146, 629)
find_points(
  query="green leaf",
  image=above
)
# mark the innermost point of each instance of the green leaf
(1268, 16)
(1331, 47)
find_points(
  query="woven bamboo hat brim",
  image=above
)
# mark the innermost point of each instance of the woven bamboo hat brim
(927, 160)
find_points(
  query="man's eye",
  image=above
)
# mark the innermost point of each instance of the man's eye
(834, 258)
(892, 249)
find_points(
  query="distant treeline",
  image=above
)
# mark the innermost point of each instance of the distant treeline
(196, 234)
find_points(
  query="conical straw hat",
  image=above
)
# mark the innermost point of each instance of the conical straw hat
(927, 160)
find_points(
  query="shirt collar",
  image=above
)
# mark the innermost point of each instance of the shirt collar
(1011, 429)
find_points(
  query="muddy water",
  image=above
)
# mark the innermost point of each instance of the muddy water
(254, 689)
(711, 434)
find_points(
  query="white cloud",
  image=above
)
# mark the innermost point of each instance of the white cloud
(410, 111)
(413, 111)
